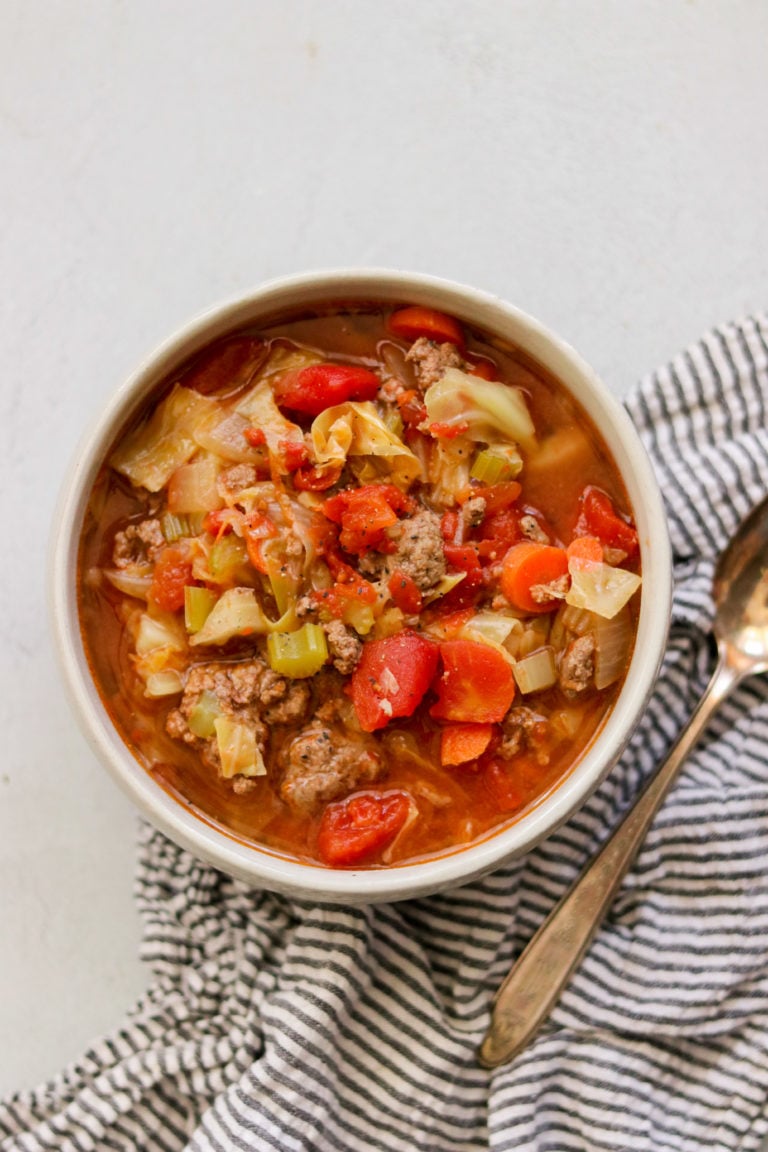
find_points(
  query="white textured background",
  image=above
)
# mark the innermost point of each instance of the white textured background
(601, 163)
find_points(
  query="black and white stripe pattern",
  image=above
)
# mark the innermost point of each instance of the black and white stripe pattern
(286, 1026)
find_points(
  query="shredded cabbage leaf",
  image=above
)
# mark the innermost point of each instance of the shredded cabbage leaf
(259, 408)
(449, 462)
(239, 753)
(601, 588)
(224, 436)
(284, 359)
(238, 613)
(491, 627)
(152, 452)
(494, 411)
(356, 429)
(159, 630)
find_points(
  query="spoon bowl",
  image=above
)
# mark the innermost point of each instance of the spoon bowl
(740, 627)
(741, 595)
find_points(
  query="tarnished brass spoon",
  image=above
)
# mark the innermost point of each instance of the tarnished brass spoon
(542, 971)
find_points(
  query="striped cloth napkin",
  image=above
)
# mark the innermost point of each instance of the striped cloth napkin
(272, 1024)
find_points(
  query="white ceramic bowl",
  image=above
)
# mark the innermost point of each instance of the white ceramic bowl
(262, 867)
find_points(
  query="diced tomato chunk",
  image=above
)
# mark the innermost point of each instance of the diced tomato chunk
(498, 533)
(319, 386)
(365, 514)
(449, 525)
(505, 788)
(255, 437)
(600, 518)
(463, 557)
(476, 685)
(411, 323)
(411, 408)
(293, 453)
(361, 826)
(405, 593)
(173, 571)
(256, 530)
(316, 477)
(498, 497)
(391, 678)
(443, 430)
(221, 521)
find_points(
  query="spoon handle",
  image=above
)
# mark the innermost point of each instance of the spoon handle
(543, 969)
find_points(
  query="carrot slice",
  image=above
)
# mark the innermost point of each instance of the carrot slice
(585, 550)
(477, 685)
(411, 323)
(460, 743)
(527, 569)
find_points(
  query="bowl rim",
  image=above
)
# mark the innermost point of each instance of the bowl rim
(263, 867)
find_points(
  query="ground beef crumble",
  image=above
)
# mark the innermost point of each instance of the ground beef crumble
(320, 765)
(522, 728)
(235, 479)
(431, 360)
(532, 530)
(344, 646)
(577, 665)
(555, 590)
(249, 691)
(419, 552)
(138, 544)
(473, 511)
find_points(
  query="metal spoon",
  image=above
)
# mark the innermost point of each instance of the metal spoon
(542, 971)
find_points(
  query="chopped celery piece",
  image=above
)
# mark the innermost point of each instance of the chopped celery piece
(535, 672)
(198, 605)
(282, 580)
(166, 683)
(298, 654)
(174, 527)
(496, 465)
(228, 555)
(196, 521)
(239, 753)
(204, 714)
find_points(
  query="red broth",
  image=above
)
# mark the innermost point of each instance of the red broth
(367, 751)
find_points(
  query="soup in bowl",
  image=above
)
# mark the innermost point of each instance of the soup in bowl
(361, 585)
